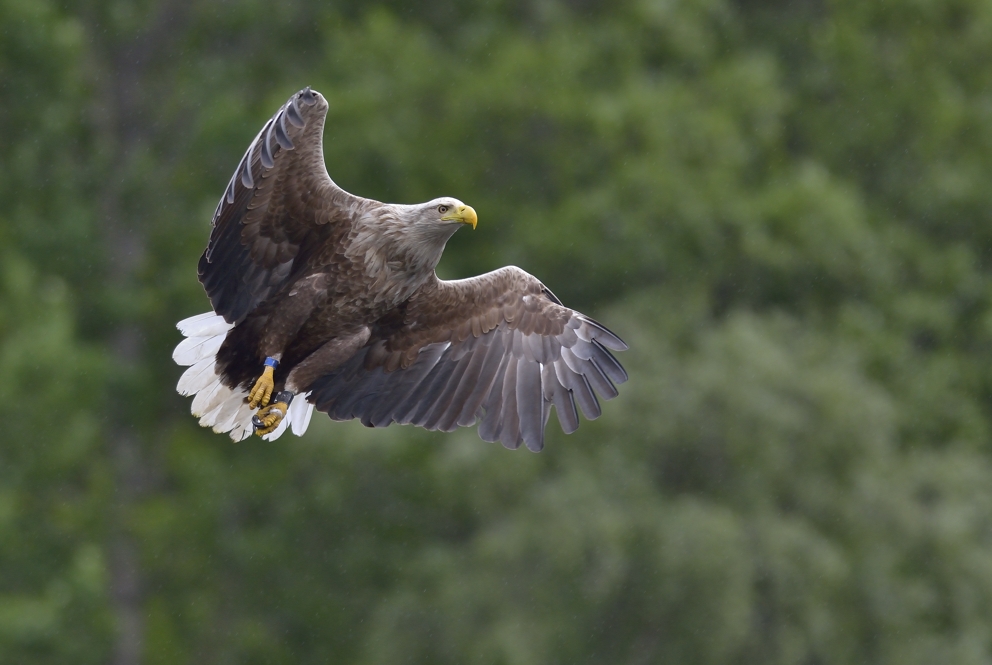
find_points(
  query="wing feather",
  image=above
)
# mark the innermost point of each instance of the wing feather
(280, 209)
(448, 393)
(474, 377)
(595, 376)
(530, 403)
(404, 387)
(557, 394)
(429, 393)
(509, 434)
(492, 422)
(491, 368)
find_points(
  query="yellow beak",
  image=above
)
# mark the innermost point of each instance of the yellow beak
(463, 214)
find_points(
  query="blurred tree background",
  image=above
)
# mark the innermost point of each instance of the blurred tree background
(783, 206)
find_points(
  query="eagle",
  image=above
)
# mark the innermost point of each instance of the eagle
(326, 300)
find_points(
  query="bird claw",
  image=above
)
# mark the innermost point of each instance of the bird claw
(262, 390)
(268, 418)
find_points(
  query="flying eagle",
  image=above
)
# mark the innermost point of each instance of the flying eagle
(322, 299)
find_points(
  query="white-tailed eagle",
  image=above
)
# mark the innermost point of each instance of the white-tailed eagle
(322, 299)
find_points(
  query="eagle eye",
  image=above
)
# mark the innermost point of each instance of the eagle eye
(442, 209)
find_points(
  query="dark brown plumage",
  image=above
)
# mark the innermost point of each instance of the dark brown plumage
(341, 291)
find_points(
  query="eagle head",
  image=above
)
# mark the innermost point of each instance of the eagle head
(414, 236)
(434, 222)
(449, 212)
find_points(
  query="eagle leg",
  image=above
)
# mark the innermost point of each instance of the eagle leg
(260, 392)
(269, 417)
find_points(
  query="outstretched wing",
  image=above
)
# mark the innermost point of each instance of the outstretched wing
(279, 207)
(499, 348)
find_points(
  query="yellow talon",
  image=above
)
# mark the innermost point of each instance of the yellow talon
(262, 390)
(270, 417)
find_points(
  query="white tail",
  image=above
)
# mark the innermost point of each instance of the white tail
(216, 405)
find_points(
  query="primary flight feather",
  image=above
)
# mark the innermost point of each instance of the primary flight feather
(322, 299)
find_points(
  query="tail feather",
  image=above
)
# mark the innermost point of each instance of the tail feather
(203, 325)
(194, 349)
(227, 414)
(300, 412)
(197, 377)
(212, 411)
(242, 428)
(217, 406)
(203, 402)
(218, 400)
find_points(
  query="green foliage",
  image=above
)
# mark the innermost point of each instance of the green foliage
(52, 587)
(782, 207)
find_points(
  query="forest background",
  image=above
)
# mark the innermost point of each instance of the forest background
(783, 207)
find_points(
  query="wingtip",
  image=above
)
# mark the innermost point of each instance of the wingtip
(535, 446)
(309, 96)
(607, 337)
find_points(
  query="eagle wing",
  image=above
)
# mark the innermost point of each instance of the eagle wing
(498, 348)
(279, 208)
